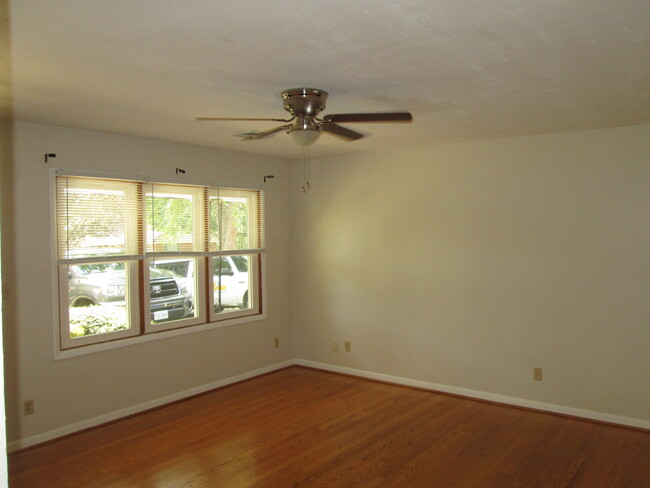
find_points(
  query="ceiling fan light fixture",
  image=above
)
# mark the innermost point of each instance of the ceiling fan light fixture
(304, 105)
(304, 137)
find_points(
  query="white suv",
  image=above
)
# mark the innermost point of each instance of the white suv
(231, 283)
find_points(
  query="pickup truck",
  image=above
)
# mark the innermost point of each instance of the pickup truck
(103, 284)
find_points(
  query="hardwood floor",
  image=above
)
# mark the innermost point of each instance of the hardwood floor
(304, 428)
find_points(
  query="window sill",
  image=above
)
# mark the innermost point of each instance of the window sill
(155, 336)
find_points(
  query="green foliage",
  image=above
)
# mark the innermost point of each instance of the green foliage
(86, 321)
(170, 218)
(229, 224)
(94, 215)
(99, 267)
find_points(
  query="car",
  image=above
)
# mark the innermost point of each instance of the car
(104, 284)
(229, 278)
(230, 282)
(182, 268)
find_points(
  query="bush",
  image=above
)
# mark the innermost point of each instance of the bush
(86, 321)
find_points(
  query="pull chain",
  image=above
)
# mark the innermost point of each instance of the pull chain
(306, 186)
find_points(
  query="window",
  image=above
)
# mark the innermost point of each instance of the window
(136, 257)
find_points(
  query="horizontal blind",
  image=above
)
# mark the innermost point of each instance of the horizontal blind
(97, 217)
(102, 218)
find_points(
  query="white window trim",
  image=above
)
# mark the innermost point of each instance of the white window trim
(134, 305)
(255, 309)
(148, 179)
(57, 344)
(167, 334)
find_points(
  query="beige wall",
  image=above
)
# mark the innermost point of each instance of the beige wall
(74, 390)
(469, 264)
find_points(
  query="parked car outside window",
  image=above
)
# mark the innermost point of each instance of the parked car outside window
(230, 282)
(103, 284)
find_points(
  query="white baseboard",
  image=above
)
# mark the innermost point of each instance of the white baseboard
(482, 395)
(125, 412)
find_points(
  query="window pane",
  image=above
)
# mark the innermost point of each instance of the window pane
(174, 219)
(96, 217)
(172, 289)
(233, 220)
(241, 262)
(97, 300)
(231, 278)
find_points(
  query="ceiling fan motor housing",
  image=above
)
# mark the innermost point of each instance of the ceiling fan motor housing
(304, 101)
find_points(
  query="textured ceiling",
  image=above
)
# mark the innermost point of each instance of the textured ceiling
(466, 69)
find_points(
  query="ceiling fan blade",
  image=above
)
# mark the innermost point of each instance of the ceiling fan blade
(377, 117)
(259, 135)
(236, 118)
(340, 131)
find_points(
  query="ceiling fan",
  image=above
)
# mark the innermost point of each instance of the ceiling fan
(304, 126)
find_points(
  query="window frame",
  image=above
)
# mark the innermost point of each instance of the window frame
(254, 273)
(140, 332)
(133, 309)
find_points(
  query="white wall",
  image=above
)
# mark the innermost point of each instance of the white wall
(70, 391)
(469, 264)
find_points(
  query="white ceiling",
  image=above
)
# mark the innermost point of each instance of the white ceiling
(466, 69)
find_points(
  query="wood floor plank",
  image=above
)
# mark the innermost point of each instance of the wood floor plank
(303, 428)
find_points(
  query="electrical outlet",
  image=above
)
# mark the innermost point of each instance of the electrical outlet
(335, 346)
(276, 342)
(28, 407)
(537, 374)
(347, 346)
